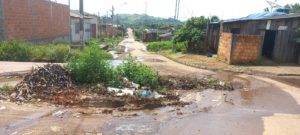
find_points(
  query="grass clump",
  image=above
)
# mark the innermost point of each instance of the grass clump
(14, 51)
(110, 41)
(50, 53)
(24, 51)
(91, 66)
(5, 89)
(166, 45)
(139, 73)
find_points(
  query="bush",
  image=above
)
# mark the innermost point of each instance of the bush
(23, 51)
(50, 53)
(93, 42)
(112, 41)
(138, 35)
(91, 67)
(139, 73)
(193, 33)
(14, 51)
(166, 45)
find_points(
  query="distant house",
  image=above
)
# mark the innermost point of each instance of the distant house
(149, 35)
(34, 20)
(111, 30)
(243, 40)
(90, 26)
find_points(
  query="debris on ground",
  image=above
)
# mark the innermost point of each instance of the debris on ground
(188, 83)
(43, 82)
(121, 92)
(59, 113)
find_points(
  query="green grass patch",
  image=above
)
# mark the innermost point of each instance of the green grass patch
(110, 41)
(91, 66)
(166, 45)
(24, 51)
(139, 73)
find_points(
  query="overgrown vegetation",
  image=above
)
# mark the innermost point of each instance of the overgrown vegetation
(139, 73)
(24, 51)
(166, 45)
(138, 34)
(5, 89)
(110, 41)
(193, 33)
(91, 66)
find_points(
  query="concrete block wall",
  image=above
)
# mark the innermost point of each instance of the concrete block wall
(36, 20)
(236, 49)
(225, 44)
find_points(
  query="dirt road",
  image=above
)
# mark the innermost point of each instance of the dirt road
(264, 106)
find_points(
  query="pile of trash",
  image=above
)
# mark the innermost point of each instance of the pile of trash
(133, 89)
(43, 82)
(188, 83)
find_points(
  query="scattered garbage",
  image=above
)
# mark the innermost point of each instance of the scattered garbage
(59, 113)
(150, 94)
(121, 92)
(43, 82)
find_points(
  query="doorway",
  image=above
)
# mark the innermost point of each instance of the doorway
(269, 43)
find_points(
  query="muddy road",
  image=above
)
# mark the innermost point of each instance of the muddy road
(258, 105)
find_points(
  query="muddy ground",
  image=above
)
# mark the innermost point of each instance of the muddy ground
(258, 105)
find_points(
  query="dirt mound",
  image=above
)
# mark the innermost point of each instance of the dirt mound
(43, 82)
(188, 83)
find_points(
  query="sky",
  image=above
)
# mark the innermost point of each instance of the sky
(225, 9)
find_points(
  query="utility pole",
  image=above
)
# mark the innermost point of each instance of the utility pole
(70, 25)
(99, 25)
(177, 7)
(81, 22)
(112, 15)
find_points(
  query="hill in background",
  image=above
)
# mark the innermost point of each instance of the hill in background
(138, 20)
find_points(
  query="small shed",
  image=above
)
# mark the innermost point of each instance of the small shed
(90, 26)
(277, 29)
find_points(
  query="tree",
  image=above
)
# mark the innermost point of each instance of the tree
(214, 19)
(294, 8)
(193, 33)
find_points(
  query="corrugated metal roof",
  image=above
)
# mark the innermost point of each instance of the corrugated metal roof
(265, 16)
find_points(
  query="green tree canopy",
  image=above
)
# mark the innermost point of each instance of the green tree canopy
(193, 32)
(294, 8)
(214, 19)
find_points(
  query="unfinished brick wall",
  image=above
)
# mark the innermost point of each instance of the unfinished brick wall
(246, 48)
(225, 44)
(35, 20)
(236, 49)
(2, 31)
